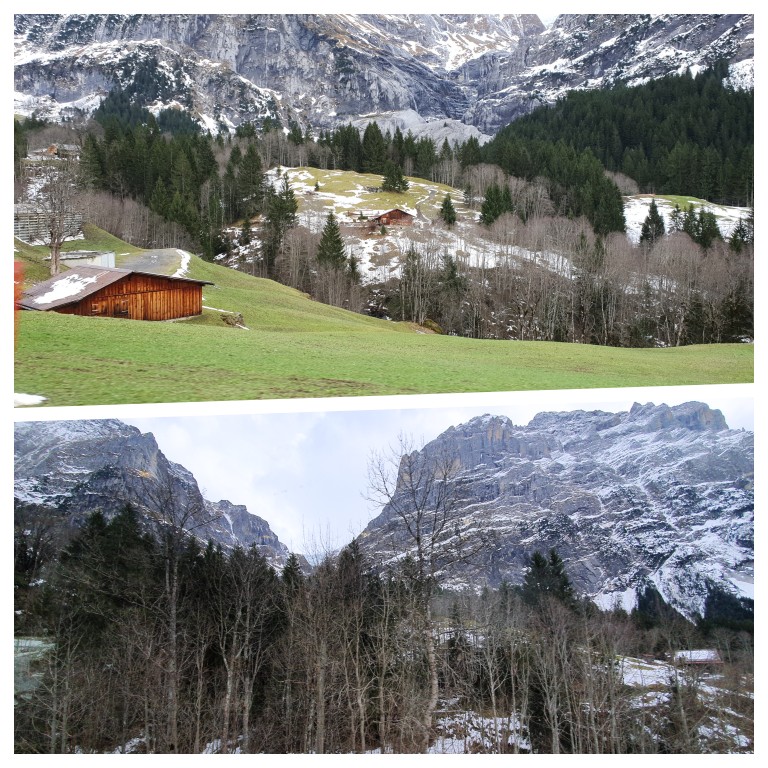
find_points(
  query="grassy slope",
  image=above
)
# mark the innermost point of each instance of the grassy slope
(350, 191)
(299, 348)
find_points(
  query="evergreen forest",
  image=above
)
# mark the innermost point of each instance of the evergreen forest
(679, 135)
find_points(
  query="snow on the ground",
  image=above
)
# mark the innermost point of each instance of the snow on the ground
(380, 255)
(184, 268)
(636, 209)
(20, 399)
(469, 732)
(645, 674)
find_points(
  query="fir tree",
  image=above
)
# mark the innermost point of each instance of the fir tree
(394, 181)
(331, 251)
(281, 216)
(497, 200)
(448, 212)
(653, 226)
(374, 150)
(740, 236)
(546, 577)
(245, 232)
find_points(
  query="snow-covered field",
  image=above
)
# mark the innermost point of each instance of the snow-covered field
(380, 255)
(636, 210)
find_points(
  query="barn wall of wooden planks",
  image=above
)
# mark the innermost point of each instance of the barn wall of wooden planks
(141, 297)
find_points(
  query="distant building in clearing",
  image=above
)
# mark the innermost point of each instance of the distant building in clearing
(88, 258)
(698, 657)
(104, 292)
(61, 151)
(395, 216)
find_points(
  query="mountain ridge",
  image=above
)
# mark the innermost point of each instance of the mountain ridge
(658, 496)
(323, 70)
(66, 470)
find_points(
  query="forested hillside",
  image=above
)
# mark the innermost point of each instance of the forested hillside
(681, 135)
(531, 244)
(152, 643)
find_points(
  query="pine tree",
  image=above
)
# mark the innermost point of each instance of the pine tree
(653, 227)
(249, 181)
(676, 220)
(496, 202)
(292, 576)
(394, 181)
(740, 236)
(331, 251)
(281, 216)
(546, 577)
(448, 212)
(374, 149)
(245, 232)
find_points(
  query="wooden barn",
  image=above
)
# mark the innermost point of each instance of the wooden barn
(111, 292)
(395, 216)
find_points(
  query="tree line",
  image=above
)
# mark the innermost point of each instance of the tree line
(174, 647)
(551, 278)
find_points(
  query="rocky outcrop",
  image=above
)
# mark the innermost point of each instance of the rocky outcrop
(656, 496)
(66, 470)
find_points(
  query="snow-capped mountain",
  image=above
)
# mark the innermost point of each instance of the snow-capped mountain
(322, 70)
(657, 496)
(597, 51)
(66, 470)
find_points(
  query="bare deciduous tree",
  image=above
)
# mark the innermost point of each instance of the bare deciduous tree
(52, 196)
(417, 488)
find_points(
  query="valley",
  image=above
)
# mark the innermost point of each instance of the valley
(384, 384)
(571, 591)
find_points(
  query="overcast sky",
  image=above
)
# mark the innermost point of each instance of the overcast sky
(305, 471)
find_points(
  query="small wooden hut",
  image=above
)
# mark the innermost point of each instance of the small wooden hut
(112, 292)
(395, 216)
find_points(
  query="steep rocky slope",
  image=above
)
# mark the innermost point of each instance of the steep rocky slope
(66, 470)
(326, 69)
(657, 496)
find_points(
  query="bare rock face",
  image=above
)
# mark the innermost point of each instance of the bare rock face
(66, 470)
(326, 69)
(656, 496)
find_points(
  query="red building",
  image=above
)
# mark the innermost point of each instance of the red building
(111, 292)
(395, 216)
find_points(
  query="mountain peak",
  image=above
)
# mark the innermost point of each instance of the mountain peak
(69, 469)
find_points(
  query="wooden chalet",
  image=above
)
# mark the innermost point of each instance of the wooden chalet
(111, 292)
(395, 216)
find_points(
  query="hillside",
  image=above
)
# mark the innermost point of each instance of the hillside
(292, 346)
(354, 198)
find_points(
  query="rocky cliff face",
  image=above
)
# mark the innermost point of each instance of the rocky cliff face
(322, 70)
(656, 496)
(597, 51)
(66, 470)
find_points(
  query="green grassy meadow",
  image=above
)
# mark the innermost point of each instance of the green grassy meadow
(296, 347)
